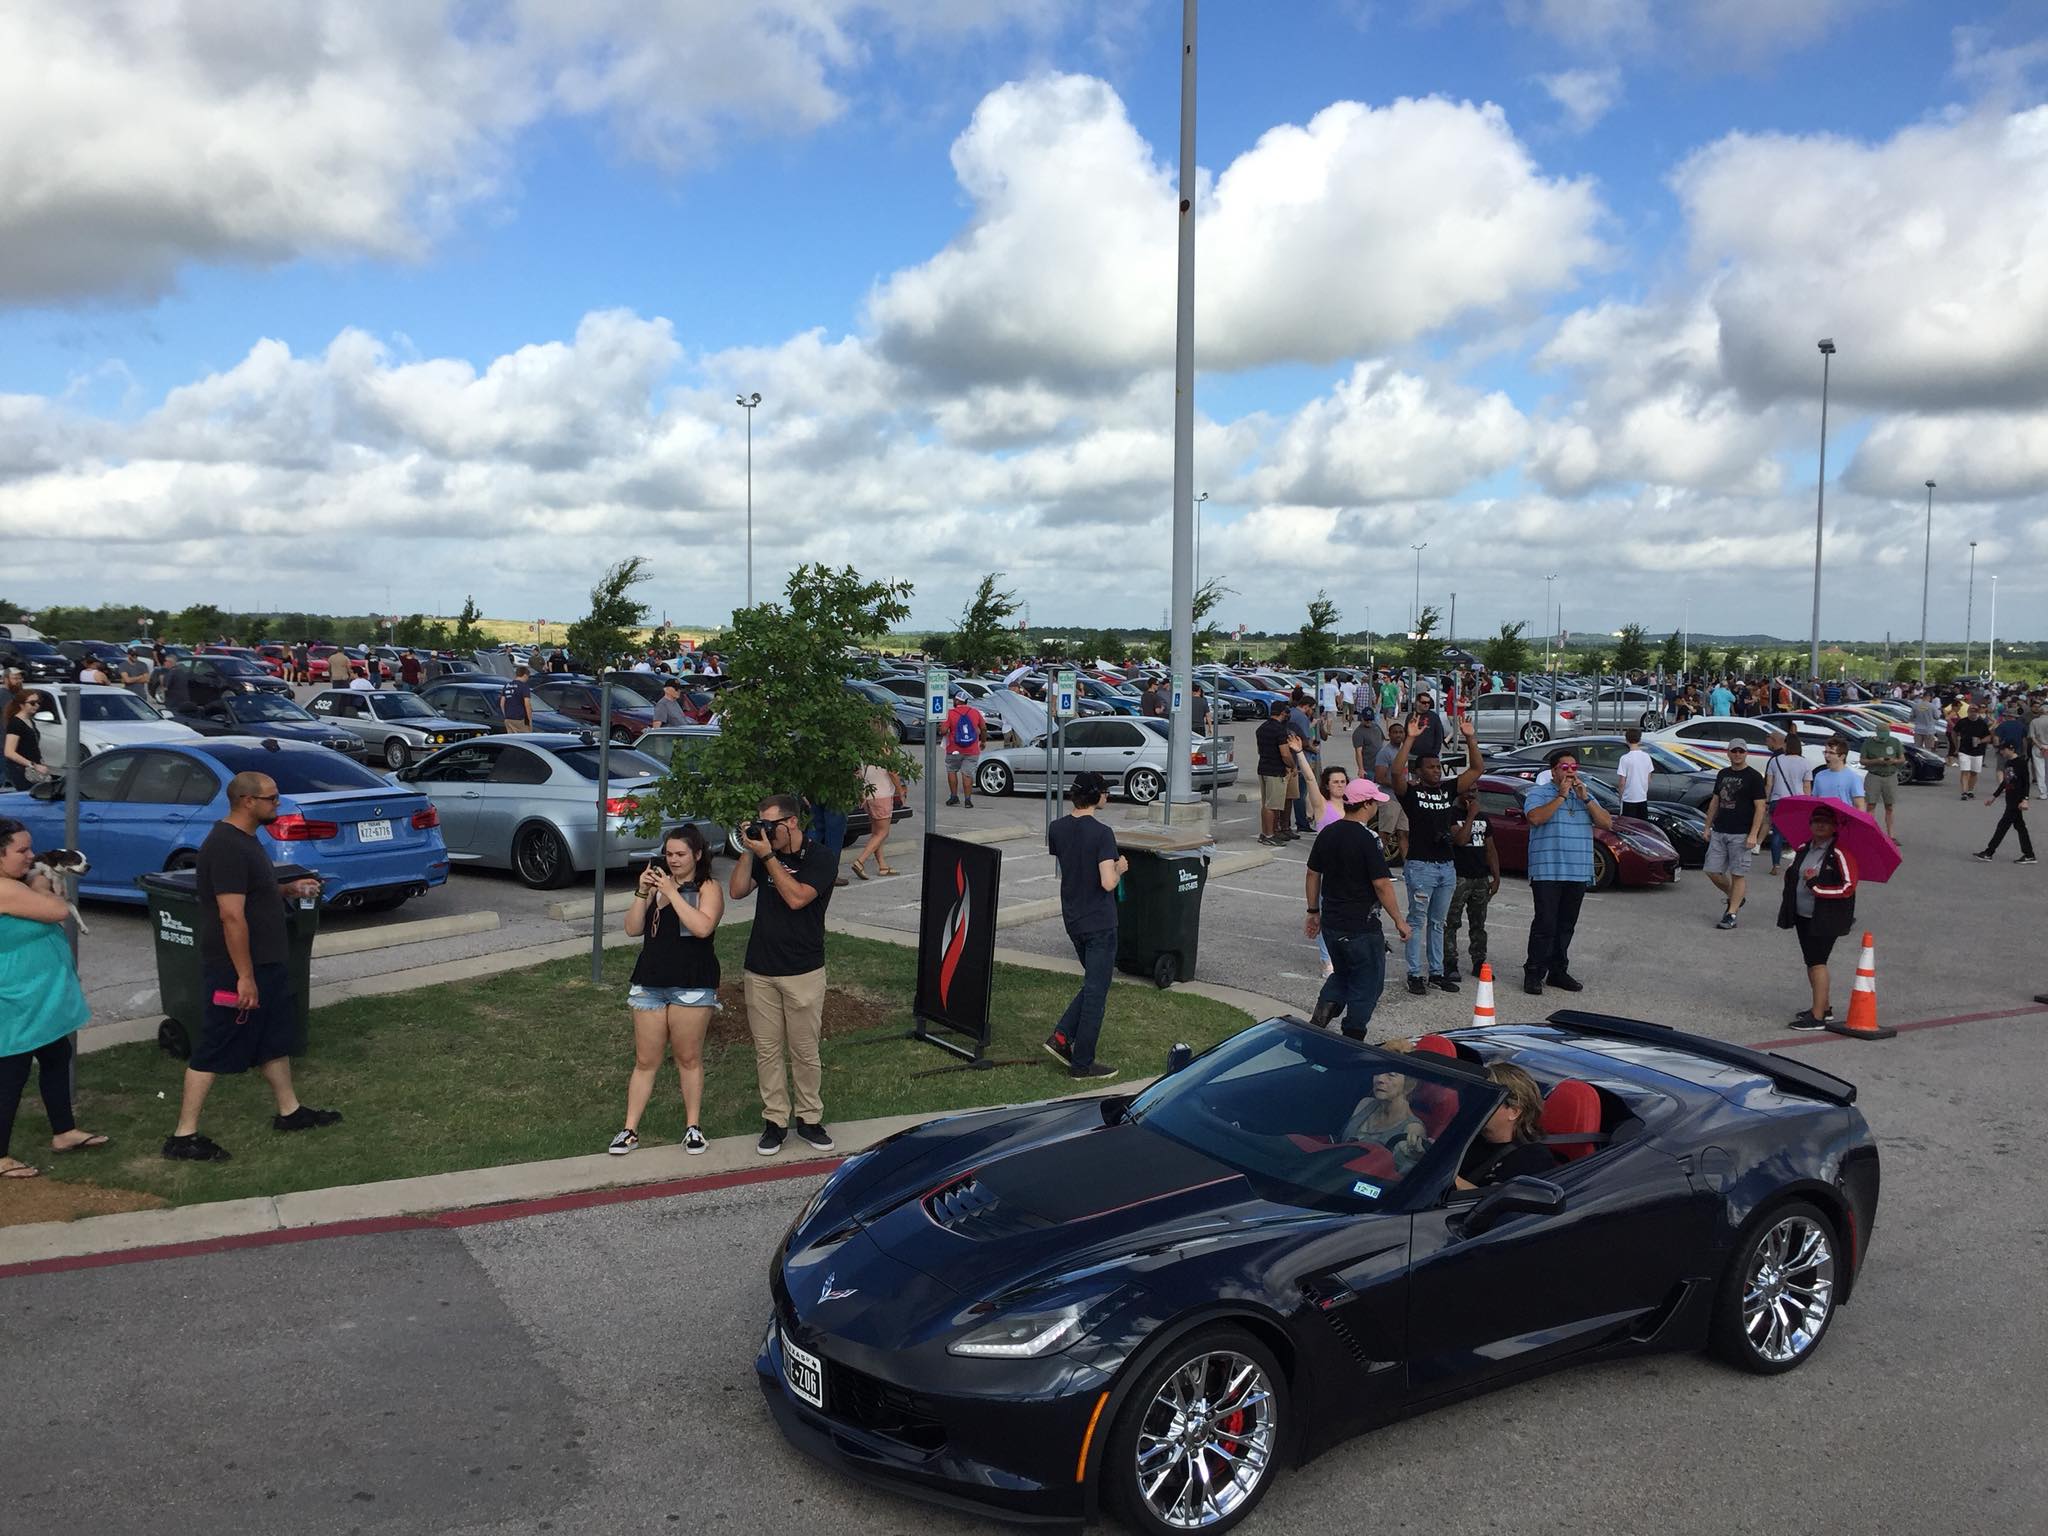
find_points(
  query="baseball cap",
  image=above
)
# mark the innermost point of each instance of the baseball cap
(1364, 792)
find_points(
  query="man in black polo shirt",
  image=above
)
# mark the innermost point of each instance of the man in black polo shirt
(1276, 759)
(249, 1018)
(784, 976)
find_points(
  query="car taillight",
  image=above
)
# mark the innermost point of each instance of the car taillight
(1567, 714)
(294, 828)
(423, 820)
(621, 807)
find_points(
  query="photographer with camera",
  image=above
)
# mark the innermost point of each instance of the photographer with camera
(784, 974)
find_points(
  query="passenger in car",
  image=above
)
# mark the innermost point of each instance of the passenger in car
(1507, 1146)
(1387, 1119)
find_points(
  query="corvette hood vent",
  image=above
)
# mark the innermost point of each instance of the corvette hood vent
(972, 1209)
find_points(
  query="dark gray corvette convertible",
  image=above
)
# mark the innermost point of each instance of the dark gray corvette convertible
(1155, 1303)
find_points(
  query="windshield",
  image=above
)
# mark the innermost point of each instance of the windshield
(625, 764)
(34, 647)
(399, 706)
(234, 666)
(1669, 760)
(1329, 1121)
(115, 707)
(267, 706)
(874, 691)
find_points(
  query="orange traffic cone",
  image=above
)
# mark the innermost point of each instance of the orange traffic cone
(1862, 1020)
(1482, 1005)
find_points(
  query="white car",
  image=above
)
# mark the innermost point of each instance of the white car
(108, 716)
(1711, 734)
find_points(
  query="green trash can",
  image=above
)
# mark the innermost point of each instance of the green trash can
(174, 921)
(1159, 921)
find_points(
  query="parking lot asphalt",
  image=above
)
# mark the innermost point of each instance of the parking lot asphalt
(591, 1371)
(1944, 926)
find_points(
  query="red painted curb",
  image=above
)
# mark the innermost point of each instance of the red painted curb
(1829, 1038)
(473, 1216)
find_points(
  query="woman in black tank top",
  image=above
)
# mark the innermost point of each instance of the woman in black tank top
(675, 912)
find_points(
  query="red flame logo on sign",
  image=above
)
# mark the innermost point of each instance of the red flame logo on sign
(953, 937)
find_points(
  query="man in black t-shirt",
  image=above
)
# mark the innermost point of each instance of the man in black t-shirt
(1478, 869)
(1431, 802)
(248, 1017)
(1972, 731)
(1349, 885)
(1276, 760)
(784, 974)
(1738, 807)
(1090, 868)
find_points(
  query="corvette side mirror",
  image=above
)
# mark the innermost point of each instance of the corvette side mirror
(1521, 1196)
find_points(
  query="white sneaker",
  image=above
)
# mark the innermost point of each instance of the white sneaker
(693, 1141)
(623, 1143)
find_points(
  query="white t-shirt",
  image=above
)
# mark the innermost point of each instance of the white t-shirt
(1786, 775)
(361, 685)
(1633, 772)
(1328, 695)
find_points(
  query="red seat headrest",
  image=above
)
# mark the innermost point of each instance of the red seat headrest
(1572, 1108)
(1436, 1045)
(1434, 1106)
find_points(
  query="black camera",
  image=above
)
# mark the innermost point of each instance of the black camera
(758, 829)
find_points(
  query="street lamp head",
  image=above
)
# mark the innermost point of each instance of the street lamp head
(1930, 485)
(749, 401)
(1827, 346)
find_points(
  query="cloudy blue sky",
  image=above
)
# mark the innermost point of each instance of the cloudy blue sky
(303, 302)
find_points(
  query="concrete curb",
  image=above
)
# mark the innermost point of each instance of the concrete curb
(468, 1189)
(354, 941)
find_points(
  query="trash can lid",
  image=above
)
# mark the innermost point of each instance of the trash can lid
(1165, 840)
(176, 882)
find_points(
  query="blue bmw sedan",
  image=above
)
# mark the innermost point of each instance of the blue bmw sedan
(148, 807)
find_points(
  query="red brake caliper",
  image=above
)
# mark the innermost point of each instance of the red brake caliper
(1231, 1426)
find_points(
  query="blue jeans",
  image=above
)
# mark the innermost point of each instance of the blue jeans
(1353, 988)
(1081, 1024)
(1429, 902)
(829, 827)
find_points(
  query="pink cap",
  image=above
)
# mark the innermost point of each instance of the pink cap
(1364, 792)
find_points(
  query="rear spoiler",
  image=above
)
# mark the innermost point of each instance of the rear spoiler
(1795, 1076)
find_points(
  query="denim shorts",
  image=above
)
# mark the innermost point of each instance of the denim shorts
(649, 999)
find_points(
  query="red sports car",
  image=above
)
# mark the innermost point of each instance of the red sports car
(1631, 852)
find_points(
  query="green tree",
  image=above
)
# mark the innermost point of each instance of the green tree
(467, 636)
(1906, 672)
(1426, 651)
(984, 635)
(1703, 664)
(199, 623)
(1105, 645)
(788, 724)
(1208, 633)
(1314, 645)
(1631, 651)
(252, 628)
(1731, 661)
(1595, 663)
(600, 637)
(1671, 659)
(1945, 671)
(1507, 652)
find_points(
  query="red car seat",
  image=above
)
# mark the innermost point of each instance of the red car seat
(1436, 1045)
(1434, 1106)
(1572, 1108)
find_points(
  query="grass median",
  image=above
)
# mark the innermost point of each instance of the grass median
(532, 1064)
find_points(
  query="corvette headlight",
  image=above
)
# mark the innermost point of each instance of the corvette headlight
(1029, 1331)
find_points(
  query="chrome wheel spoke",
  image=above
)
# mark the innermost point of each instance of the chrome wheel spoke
(1789, 1290)
(1193, 1472)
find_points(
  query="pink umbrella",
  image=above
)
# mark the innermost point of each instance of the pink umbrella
(1857, 833)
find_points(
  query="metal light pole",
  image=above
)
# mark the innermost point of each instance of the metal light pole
(1991, 640)
(1820, 492)
(1549, 629)
(747, 404)
(1969, 607)
(1451, 634)
(1179, 781)
(1926, 566)
(1198, 539)
(1415, 612)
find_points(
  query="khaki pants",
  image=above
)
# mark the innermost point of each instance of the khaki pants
(786, 1015)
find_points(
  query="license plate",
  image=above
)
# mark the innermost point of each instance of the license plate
(373, 831)
(804, 1372)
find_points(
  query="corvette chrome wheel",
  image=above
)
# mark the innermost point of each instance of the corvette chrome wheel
(1789, 1289)
(1206, 1440)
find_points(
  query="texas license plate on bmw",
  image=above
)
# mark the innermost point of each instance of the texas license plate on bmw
(373, 831)
(804, 1372)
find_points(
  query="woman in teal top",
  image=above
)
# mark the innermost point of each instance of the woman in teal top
(40, 1003)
